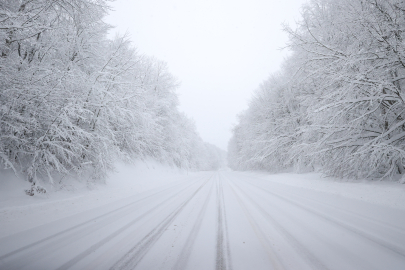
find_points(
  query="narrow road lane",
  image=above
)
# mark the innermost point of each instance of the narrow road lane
(217, 220)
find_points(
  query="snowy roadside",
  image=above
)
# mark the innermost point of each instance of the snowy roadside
(20, 212)
(387, 193)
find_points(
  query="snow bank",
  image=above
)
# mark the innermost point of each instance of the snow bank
(75, 196)
(391, 194)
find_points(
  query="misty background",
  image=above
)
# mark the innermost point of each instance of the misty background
(220, 51)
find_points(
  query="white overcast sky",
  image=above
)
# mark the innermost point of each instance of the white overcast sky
(220, 51)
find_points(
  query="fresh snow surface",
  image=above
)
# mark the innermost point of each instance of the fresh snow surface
(20, 212)
(154, 217)
(386, 193)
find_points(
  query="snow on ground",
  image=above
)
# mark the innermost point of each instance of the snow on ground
(388, 193)
(154, 217)
(20, 212)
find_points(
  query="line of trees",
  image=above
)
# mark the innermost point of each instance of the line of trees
(337, 105)
(73, 101)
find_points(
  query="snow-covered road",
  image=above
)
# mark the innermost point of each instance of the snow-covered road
(217, 220)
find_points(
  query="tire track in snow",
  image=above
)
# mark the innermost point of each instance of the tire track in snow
(105, 240)
(357, 215)
(381, 242)
(277, 265)
(92, 222)
(352, 214)
(32, 252)
(223, 255)
(300, 248)
(187, 248)
(131, 259)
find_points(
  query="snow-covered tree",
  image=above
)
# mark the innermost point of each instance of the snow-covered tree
(73, 101)
(341, 107)
(46, 49)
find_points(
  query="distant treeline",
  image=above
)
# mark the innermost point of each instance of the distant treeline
(337, 105)
(73, 101)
